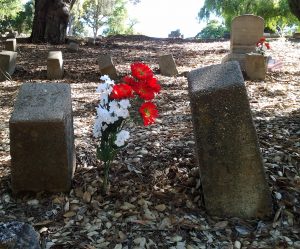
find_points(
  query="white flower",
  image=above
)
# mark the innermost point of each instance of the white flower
(122, 137)
(124, 103)
(97, 128)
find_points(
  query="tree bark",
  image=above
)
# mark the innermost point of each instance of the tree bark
(51, 20)
(295, 7)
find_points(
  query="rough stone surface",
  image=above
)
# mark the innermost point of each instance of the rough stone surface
(7, 63)
(18, 235)
(11, 45)
(256, 66)
(42, 138)
(107, 67)
(227, 150)
(167, 65)
(55, 65)
(246, 30)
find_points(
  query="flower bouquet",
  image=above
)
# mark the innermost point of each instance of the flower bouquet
(262, 46)
(114, 111)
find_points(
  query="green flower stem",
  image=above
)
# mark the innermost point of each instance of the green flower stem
(106, 176)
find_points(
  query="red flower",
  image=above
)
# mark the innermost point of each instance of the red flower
(149, 113)
(153, 84)
(121, 91)
(267, 45)
(129, 80)
(141, 71)
(262, 40)
(144, 90)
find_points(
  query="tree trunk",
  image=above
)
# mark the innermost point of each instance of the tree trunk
(51, 20)
(295, 7)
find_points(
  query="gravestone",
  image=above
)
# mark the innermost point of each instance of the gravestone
(7, 64)
(227, 150)
(55, 65)
(167, 65)
(17, 235)
(73, 47)
(246, 30)
(256, 66)
(10, 45)
(107, 67)
(42, 138)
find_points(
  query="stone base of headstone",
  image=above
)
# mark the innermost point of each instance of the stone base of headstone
(227, 151)
(10, 45)
(7, 64)
(15, 235)
(42, 139)
(240, 58)
(55, 65)
(256, 66)
(167, 65)
(107, 67)
(73, 47)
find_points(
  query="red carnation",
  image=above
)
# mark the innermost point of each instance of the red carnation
(144, 91)
(267, 45)
(262, 40)
(153, 84)
(121, 91)
(149, 113)
(141, 71)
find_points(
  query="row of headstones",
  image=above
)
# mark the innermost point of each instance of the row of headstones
(55, 68)
(226, 142)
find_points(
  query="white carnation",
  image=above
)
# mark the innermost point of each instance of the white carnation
(122, 137)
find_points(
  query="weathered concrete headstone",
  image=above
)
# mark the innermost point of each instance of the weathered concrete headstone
(55, 65)
(107, 67)
(256, 66)
(227, 151)
(246, 30)
(73, 47)
(167, 65)
(10, 45)
(18, 235)
(7, 64)
(42, 139)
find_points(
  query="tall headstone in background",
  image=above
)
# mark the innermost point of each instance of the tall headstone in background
(246, 30)
(231, 167)
(10, 45)
(107, 67)
(42, 139)
(167, 65)
(7, 64)
(55, 68)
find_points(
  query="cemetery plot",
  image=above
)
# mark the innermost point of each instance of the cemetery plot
(155, 195)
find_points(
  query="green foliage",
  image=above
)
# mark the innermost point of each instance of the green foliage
(117, 21)
(96, 13)
(76, 25)
(295, 7)
(276, 13)
(213, 30)
(21, 21)
(175, 34)
(9, 8)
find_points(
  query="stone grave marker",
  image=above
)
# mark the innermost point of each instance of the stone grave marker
(10, 45)
(227, 151)
(107, 67)
(7, 64)
(167, 65)
(73, 47)
(246, 30)
(55, 65)
(15, 235)
(42, 138)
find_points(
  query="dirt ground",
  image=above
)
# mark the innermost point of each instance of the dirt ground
(155, 199)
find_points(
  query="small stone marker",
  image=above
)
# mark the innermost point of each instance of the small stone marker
(107, 67)
(7, 63)
(10, 45)
(256, 66)
(227, 150)
(55, 65)
(42, 138)
(296, 35)
(73, 46)
(16, 235)
(167, 65)
(246, 30)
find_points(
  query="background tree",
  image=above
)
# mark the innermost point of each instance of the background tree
(117, 21)
(8, 11)
(96, 13)
(23, 21)
(76, 25)
(276, 13)
(175, 34)
(295, 7)
(213, 30)
(51, 20)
